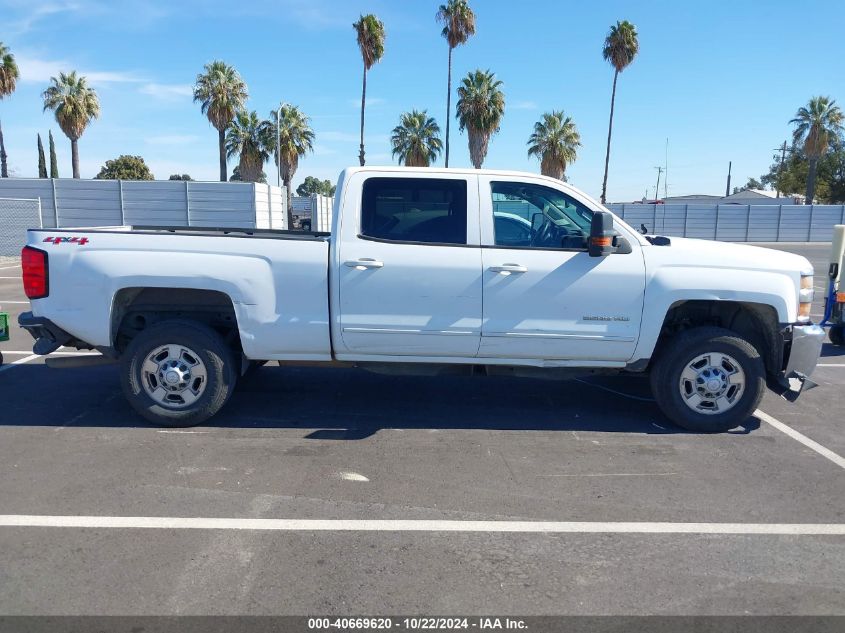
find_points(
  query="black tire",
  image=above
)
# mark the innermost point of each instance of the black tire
(666, 375)
(209, 348)
(836, 334)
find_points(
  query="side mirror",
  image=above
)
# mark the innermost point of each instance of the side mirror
(601, 235)
(537, 222)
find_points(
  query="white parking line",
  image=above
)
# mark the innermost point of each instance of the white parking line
(418, 525)
(832, 365)
(20, 361)
(800, 437)
(2, 301)
(20, 353)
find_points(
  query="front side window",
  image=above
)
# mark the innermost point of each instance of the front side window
(430, 210)
(533, 216)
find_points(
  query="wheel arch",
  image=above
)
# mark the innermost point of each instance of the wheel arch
(136, 308)
(758, 323)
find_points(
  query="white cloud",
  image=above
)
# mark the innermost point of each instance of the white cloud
(322, 150)
(380, 159)
(522, 105)
(34, 70)
(171, 139)
(371, 101)
(345, 137)
(29, 14)
(167, 92)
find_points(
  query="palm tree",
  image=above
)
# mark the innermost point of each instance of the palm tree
(75, 105)
(817, 126)
(295, 139)
(8, 82)
(620, 48)
(458, 22)
(370, 31)
(250, 138)
(222, 94)
(555, 142)
(481, 106)
(416, 140)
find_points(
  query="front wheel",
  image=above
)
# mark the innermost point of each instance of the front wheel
(836, 334)
(177, 373)
(708, 380)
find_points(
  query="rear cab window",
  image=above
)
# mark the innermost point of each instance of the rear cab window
(415, 210)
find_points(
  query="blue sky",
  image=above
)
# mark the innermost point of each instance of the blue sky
(719, 79)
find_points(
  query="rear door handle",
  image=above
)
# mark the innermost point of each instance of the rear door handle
(507, 269)
(364, 263)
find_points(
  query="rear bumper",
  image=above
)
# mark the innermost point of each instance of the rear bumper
(48, 336)
(802, 349)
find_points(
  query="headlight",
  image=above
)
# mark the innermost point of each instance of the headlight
(805, 297)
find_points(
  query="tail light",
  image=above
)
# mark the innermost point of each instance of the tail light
(36, 274)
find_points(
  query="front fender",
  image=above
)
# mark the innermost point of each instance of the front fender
(670, 285)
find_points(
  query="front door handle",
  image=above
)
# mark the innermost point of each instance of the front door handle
(364, 263)
(507, 269)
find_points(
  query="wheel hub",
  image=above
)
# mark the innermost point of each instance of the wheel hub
(174, 376)
(712, 383)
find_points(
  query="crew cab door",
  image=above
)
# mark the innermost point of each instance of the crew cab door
(544, 296)
(408, 266)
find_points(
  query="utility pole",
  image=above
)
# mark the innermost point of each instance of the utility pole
(782, 150)
(666, 179)
(728, 188)
(657, 187)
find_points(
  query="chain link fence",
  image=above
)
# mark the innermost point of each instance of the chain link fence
(16, 216)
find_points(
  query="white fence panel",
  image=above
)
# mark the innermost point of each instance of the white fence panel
(763, 223)
(732, 223)
(823, 219)
(314, 211)
(736, 223)
(794, 223)
(152, 203)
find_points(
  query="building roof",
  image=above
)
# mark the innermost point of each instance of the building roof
(751, 193)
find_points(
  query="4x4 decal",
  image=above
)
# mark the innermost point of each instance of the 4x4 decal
(81, 241)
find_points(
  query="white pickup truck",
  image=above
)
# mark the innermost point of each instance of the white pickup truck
(429, 270)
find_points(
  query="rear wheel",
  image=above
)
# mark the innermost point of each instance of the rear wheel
(708, 379)
(177, 373)
(836, 334)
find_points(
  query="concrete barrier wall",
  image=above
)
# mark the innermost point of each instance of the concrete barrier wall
(736, 223)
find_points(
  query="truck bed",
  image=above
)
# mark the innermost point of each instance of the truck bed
(277, 281)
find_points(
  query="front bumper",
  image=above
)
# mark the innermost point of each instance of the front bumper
(802, 349)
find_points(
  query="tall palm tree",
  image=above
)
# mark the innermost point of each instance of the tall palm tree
(370, 34)
(75, 105)
(458, 22)
(416, 140)
(481, 106)
(8, 82)
(555, 142)
(295, 139)
(818, 125)
(251, 139)
(222, 94)
(620, 48)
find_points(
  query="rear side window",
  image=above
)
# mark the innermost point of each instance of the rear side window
(429, 210)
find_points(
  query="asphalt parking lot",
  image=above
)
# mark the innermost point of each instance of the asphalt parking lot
(308, 444)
